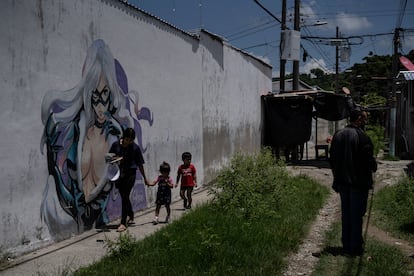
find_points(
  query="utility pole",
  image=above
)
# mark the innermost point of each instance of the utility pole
(282, 61)
(295, 85)
(393, 103)
(337, 62)
(282, 39)
(335, 126)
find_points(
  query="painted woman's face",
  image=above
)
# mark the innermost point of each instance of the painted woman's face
(100, 100)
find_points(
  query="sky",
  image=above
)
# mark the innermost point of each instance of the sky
(366, 26)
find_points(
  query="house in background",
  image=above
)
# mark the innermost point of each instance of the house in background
(404, 144)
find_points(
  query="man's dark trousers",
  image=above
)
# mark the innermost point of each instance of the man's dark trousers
(353, 206)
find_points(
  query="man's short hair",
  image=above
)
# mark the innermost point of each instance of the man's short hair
(355, 114)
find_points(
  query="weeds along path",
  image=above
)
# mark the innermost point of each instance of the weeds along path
(388, 174)
(302, 262)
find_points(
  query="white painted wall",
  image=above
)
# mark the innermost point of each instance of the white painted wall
(203, 94)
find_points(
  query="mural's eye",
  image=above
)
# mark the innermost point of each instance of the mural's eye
(95, 95)
(105, 91)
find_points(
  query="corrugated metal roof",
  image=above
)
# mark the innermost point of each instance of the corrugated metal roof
(300, 93)
(408, 75)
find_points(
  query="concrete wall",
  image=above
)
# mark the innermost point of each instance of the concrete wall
(180, 92)
(230, 124)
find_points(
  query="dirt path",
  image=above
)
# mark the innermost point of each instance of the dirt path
(302, 262)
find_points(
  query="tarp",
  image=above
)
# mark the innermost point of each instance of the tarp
(288, 117)
(332, 107)
(287, 121)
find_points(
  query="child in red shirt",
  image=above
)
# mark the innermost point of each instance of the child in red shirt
(187, 173)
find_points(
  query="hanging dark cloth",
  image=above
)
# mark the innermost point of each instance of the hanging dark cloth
(332, 107)
(288, 121)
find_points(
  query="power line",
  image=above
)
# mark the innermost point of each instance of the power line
(403, 5)
(352, 40)
(251, 32)
(267, 11)
(319, 49)
(250, 29)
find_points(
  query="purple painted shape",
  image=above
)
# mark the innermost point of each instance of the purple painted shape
(121, 77)
(113, 207)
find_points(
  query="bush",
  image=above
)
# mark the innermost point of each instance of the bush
(258, 215)
(250, 184)
(376, 133)
(397, 199)
(121, 247)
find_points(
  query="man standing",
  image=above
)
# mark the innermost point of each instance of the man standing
(352, 163)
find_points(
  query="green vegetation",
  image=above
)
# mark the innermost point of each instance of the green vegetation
(257, 217)
(393, 209)
(376, 133)
(378, 259)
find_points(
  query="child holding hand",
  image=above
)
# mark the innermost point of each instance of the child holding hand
(165, 183)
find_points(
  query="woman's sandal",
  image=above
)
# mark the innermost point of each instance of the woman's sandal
(121, 228)
(130, 222)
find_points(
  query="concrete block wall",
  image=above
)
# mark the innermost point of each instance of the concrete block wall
(180, 92)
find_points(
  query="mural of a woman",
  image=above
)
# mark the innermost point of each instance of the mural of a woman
(80, 124)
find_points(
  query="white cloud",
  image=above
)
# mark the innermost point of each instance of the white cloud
(350, 23)
(308, 16)
(312, 64)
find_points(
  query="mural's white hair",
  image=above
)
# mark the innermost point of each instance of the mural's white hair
(99, 60)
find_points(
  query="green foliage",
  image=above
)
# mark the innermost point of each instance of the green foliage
(258, 216)
(248, 184)
(210, 244)
(376, 134)
(372, 99)
(378, 258)
(370, 83)
(396, 199)
(121, 247)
